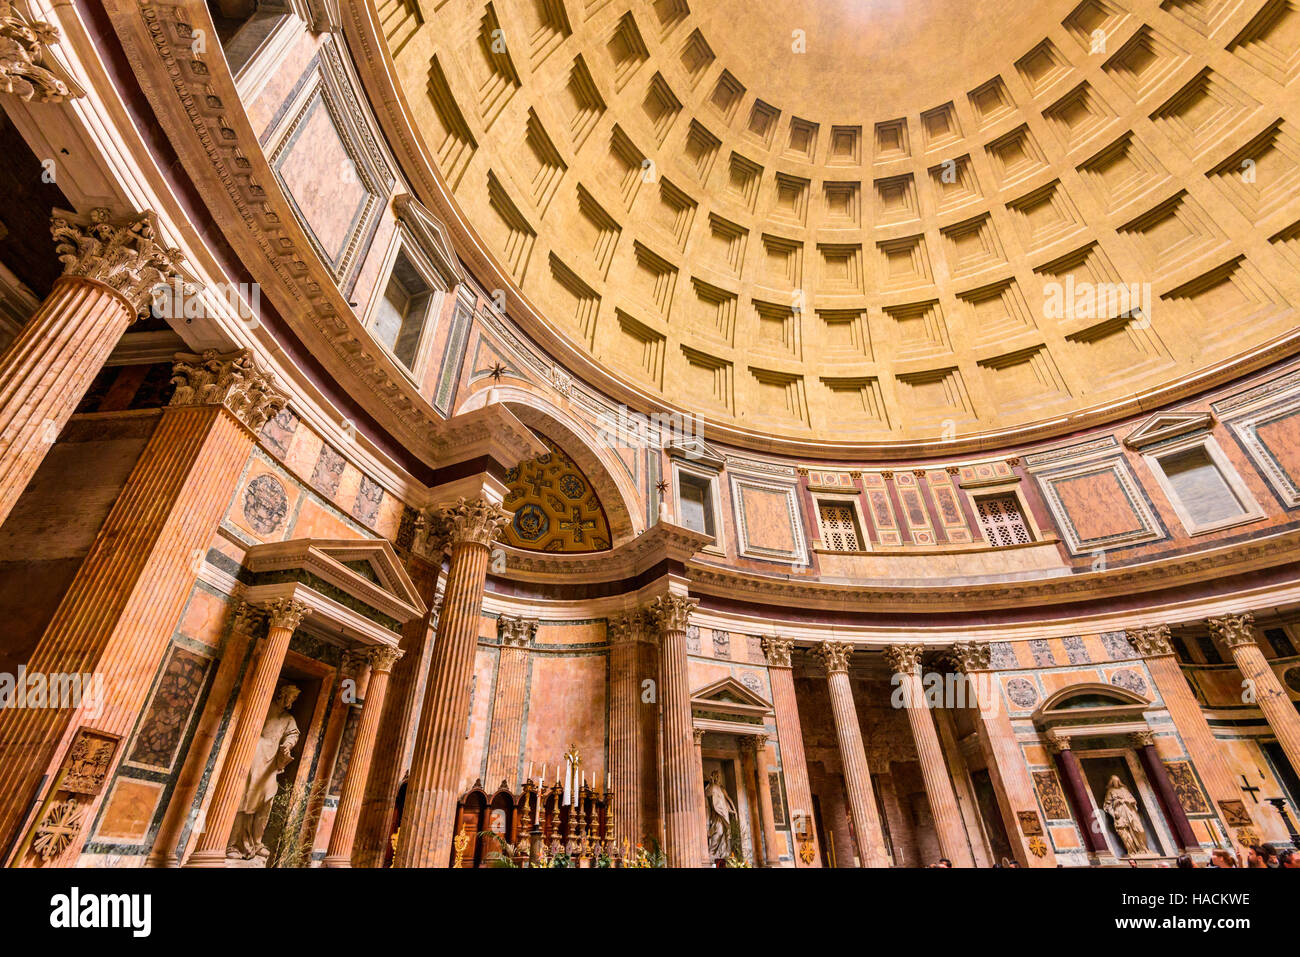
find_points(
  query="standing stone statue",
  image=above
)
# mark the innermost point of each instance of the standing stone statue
(274, 752)
(1122, 808)
(720, 808)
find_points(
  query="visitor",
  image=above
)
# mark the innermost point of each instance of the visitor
(1185, 860)
(1221, 858)
(1288, 858)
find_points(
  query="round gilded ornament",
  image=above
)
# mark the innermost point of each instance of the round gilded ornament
(572, 486)
(530, 523)
(1022, 692)
(265, 504)
(1129, 680)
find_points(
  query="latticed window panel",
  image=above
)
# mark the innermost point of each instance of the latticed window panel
(1002, 522)
(840, 528)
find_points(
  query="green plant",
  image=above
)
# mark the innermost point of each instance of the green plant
(508, 851)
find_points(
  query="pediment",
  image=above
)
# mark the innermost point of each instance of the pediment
(1167, 425)
(730, 694)
(696, 450)
(432, 237)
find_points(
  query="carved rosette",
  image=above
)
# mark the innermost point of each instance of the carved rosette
(1142, 739)
(232, 379)
(124, 256)
(904, 659)
(671, 612)
(835, 655)
(286, 613)
(968, 656)
(516, 632)
(1150, 641)
(1234, 630)
(1056, 742)
(23, 42)
(778, 652)
(383, 657)
(469, 521)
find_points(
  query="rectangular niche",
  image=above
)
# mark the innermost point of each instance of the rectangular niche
(940, 128)
(1144, 63)
(802, 144)
(972, 246)
(845, 332)
(762, 122)
(696, 57)
(542, 162)
(627, 50)
(1204, 113)
(991, 102)
(653, 278)
(675, 212)
(1045, 216)
(892, 141)
(1122, 171)
(496, 77)
(595, 230)
(511, 232)
(954, 183)
(1229, 302)
(1172, 233)
(547, 24)
(1015, 156)
(625, 165)
(1271, 41)
(447, 132)
(845, 146)
(1043, 67)
(1264, 174)
(791, 201)
(701, 149)
(743, 177)
(714, 310)
(1078, 115)
(661, 107)
(727, 94)
(1117, 351)
(582, 102)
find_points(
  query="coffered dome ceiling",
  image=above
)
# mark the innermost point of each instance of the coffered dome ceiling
(879, 220)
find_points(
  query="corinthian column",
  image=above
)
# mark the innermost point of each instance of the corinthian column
(625, 726)
(683, 789)
(1238, 633)
(771, 853)
(284, 615)
(507, 725)
(1086, 816)
(1144, 743)
(906, 662)
(1152, 643)
(109, 272)
(789, 736)
(434, 785)
(853, 755)
(118, 615)
(339, 853)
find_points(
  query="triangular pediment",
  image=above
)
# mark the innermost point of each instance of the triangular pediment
(432, 236)
(695, 449)
(729, 692)
(1167, 425)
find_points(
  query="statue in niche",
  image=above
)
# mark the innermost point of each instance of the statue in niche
(720, 808)
(273, 754)
(1122, 808)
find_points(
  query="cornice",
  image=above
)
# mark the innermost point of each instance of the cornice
(376, 70)
(658, 543)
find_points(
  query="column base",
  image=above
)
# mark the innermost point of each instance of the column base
(207, 859)
(337, 862)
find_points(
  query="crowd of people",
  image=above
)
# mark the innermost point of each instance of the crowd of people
(1256, 855)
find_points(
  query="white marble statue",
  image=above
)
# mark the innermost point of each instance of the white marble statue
(1122, 808)
(273, 754)
(720, 808)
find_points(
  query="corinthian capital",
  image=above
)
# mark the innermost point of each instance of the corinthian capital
(622, 629)
(286, 613)
(1150, 641)
(516, 632)
(23, 72)
(778, 652)
(1056, 742)
(835, 655)
(124, 256)
(671, 612)
(968, 656)
(1234, 630)
(904, 659)
(383, 657)
(232, 379)
(474, 521)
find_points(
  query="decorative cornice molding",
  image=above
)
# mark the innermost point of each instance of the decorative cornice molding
(904, 659)
(663, 541)
(834, 655)
(1234, 630)
(1150, 641)
(778, 652)
(124, 255)
(234, 379)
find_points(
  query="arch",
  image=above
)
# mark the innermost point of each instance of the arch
(1092, 699)
(608, 474)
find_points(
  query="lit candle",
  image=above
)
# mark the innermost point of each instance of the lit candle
(530, 770)
(607, 780)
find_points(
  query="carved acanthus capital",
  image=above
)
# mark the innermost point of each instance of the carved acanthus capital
(233, 379)
(778, 652)
(383, 657)
(23, 69)
(470, 521)
(968, 656)
(623, 629)
(903, 659)
(834, 655)
(124, 256)
(354, 660)
(698, 735)
(757, 743)
(1056, 742)
(286, 613)
(516, 632)
(1150, 641)
(1234, 630)
(671, 612)
(247, 619)
(1142, 739)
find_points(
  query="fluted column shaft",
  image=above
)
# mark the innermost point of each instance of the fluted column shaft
(625, 728)
(1158, 775)
(284, 616)
(506, 729)
(683, 787)
(1180, 701)
(906, 661)
(165, 852)
(397, 729)
(1238, 633)
(853, 755)
(771, 853)
(435, 782)
(344, 832)
(789, 735)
